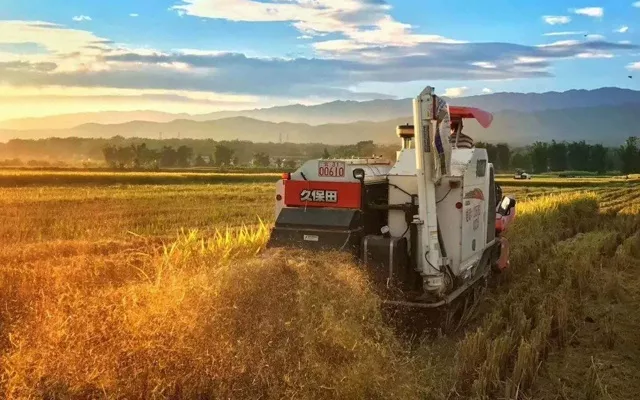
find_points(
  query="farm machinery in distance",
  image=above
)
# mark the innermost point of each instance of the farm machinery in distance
(521, 174)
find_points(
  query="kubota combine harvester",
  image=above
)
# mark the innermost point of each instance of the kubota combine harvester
(429, 226)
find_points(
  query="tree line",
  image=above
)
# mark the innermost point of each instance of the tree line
(119, 152)
(557, 156)
(140, 156)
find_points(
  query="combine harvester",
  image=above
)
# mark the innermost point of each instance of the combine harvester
(428, 227)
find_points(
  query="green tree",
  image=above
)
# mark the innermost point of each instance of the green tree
(168, 157)
(325, 153)
(598, 159)
(629, 154)
(539, 157)
(110, 155)
(143, 157)
(578, 154)
(521, 160)
(503, 156)
(223, 155)
(557, 153)
(125, 157)
(365, 148)
(261, 159)
(199, 161)
(184, 154)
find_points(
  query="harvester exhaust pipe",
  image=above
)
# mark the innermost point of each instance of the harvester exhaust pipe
(429, 260)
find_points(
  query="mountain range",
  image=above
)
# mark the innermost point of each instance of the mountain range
(606, 115)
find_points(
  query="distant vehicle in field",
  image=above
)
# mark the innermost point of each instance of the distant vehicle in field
(520, 174)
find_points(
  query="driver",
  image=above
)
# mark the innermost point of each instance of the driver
(464, 141)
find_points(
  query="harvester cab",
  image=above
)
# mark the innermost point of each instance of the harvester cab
(428, 226)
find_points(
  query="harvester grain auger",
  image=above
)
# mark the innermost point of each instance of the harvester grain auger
(428, 227)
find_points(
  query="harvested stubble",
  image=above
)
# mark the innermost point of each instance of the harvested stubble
(540, 308)
(508, 344)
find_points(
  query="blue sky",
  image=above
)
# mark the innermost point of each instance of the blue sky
(204, 55)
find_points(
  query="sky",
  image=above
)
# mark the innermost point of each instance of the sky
(198, 56)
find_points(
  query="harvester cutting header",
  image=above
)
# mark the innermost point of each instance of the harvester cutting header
(430, 224)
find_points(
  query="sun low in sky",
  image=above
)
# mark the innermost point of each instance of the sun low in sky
(197, 56)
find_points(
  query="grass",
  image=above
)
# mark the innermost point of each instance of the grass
(162, 291)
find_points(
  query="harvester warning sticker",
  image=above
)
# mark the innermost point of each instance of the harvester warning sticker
(319, 196)
(476, 194)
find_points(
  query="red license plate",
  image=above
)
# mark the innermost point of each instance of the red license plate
(332, 169)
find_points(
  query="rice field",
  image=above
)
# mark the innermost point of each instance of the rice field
(156, 290)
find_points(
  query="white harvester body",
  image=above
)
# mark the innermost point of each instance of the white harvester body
(428, 223)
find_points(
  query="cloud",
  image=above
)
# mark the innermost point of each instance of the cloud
(80, 59)
(299, 77)
(360, 22)
(56, 43)
(595, 54)
(622, 29)
(487, 91)
(594, 12)
(484, 64)
(27, 66)
(134, 15)
(80, 18)
(456, 91)
(636, 4)
(444, 62)
(595, 37)
(634, 66)
(565, 33)
(556, 19)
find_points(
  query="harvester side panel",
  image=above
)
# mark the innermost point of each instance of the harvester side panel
(491, 211)
(475, 202)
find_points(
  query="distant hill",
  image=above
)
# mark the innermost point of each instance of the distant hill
(351, 111)
(66, 121)
(610, 125)
(383, 110)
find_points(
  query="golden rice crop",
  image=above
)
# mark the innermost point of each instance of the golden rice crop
(199, 318)
(93, 304)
